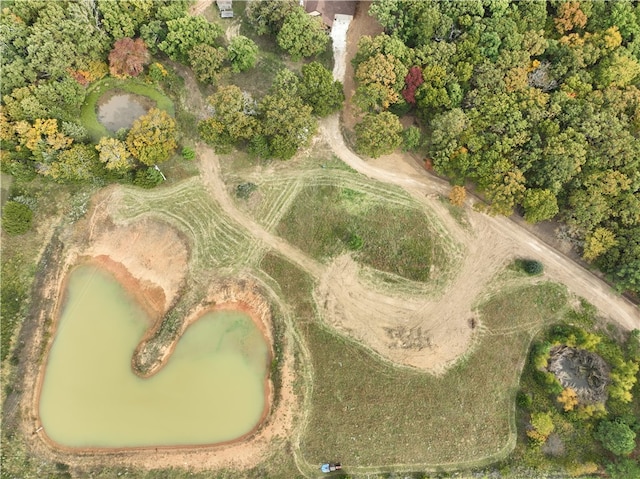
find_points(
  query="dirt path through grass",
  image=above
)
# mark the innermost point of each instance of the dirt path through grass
(212, 178)
(493, 238)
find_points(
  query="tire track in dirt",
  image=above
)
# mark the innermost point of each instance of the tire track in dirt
(212, 179)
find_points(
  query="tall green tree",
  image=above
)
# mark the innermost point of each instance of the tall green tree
(287, 124)
(616, 436)
(378, 134)
(123, 18)
(268, 16)
(302, 35)
(185, 33)
(539, 205)
(319, 90)
(242, 53)
(233, 118)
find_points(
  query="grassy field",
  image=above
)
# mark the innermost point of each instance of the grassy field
(88, 114)
(327, 220)
(370, 414)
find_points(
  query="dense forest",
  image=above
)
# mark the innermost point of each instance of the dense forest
(56, 53)
(536, 103)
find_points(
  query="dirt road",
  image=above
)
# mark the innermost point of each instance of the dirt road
(499, 232)
(505, 237)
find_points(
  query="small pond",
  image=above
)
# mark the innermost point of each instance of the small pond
(211, 390)
(117, 109)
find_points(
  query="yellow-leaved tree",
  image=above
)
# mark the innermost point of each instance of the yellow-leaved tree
(541, 427)
(457, 195)
(114, 154)
(152, 138)
(598, 243)
(568, 398)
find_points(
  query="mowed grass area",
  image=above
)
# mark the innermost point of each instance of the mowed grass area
(88, 113)
(369, 414)
(215, 239)
(327, 220)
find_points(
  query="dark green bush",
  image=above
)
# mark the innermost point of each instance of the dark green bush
(623, 469)
(188, 153)
(411, 139)
(532, 266)
(616, 436)
(244, 190)
(148, 178)
(16, 218)
(523, 400)
(259, 146)
(355, 242)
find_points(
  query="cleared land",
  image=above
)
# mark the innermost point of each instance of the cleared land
(373, 415)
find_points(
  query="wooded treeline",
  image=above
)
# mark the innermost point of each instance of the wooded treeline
(537, 103)
(52, 53)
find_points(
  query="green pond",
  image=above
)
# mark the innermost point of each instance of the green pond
(211, 389)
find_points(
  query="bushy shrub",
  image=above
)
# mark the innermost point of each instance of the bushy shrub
(532, 266)
(616, 437)
(523, 400)
(244, 190)
(411, 139)
(541, 426)
(259, 146)
(355, 242)
(16, 218)
(188, 153)
(623, 469)
(148, 178)
(633, 345)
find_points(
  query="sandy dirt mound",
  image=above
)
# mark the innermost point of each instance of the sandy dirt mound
(148, 251)
(404, 330)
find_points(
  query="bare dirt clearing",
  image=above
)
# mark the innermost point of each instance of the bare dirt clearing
(150, 251)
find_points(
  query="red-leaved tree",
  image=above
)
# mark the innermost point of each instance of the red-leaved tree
(128, 57)
(412, 81)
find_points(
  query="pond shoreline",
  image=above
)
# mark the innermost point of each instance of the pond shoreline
(241, 453)
(228, 295)
(117, 109)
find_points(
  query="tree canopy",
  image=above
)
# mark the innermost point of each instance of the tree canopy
(242, 53)
(378, 134)
(302, 35)
(537, 103)
(152, 138)
(185, 33)
(617, 437)
(319, 90)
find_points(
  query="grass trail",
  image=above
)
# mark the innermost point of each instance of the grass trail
(215, 238)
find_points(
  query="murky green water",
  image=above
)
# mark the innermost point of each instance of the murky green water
(211, 389)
